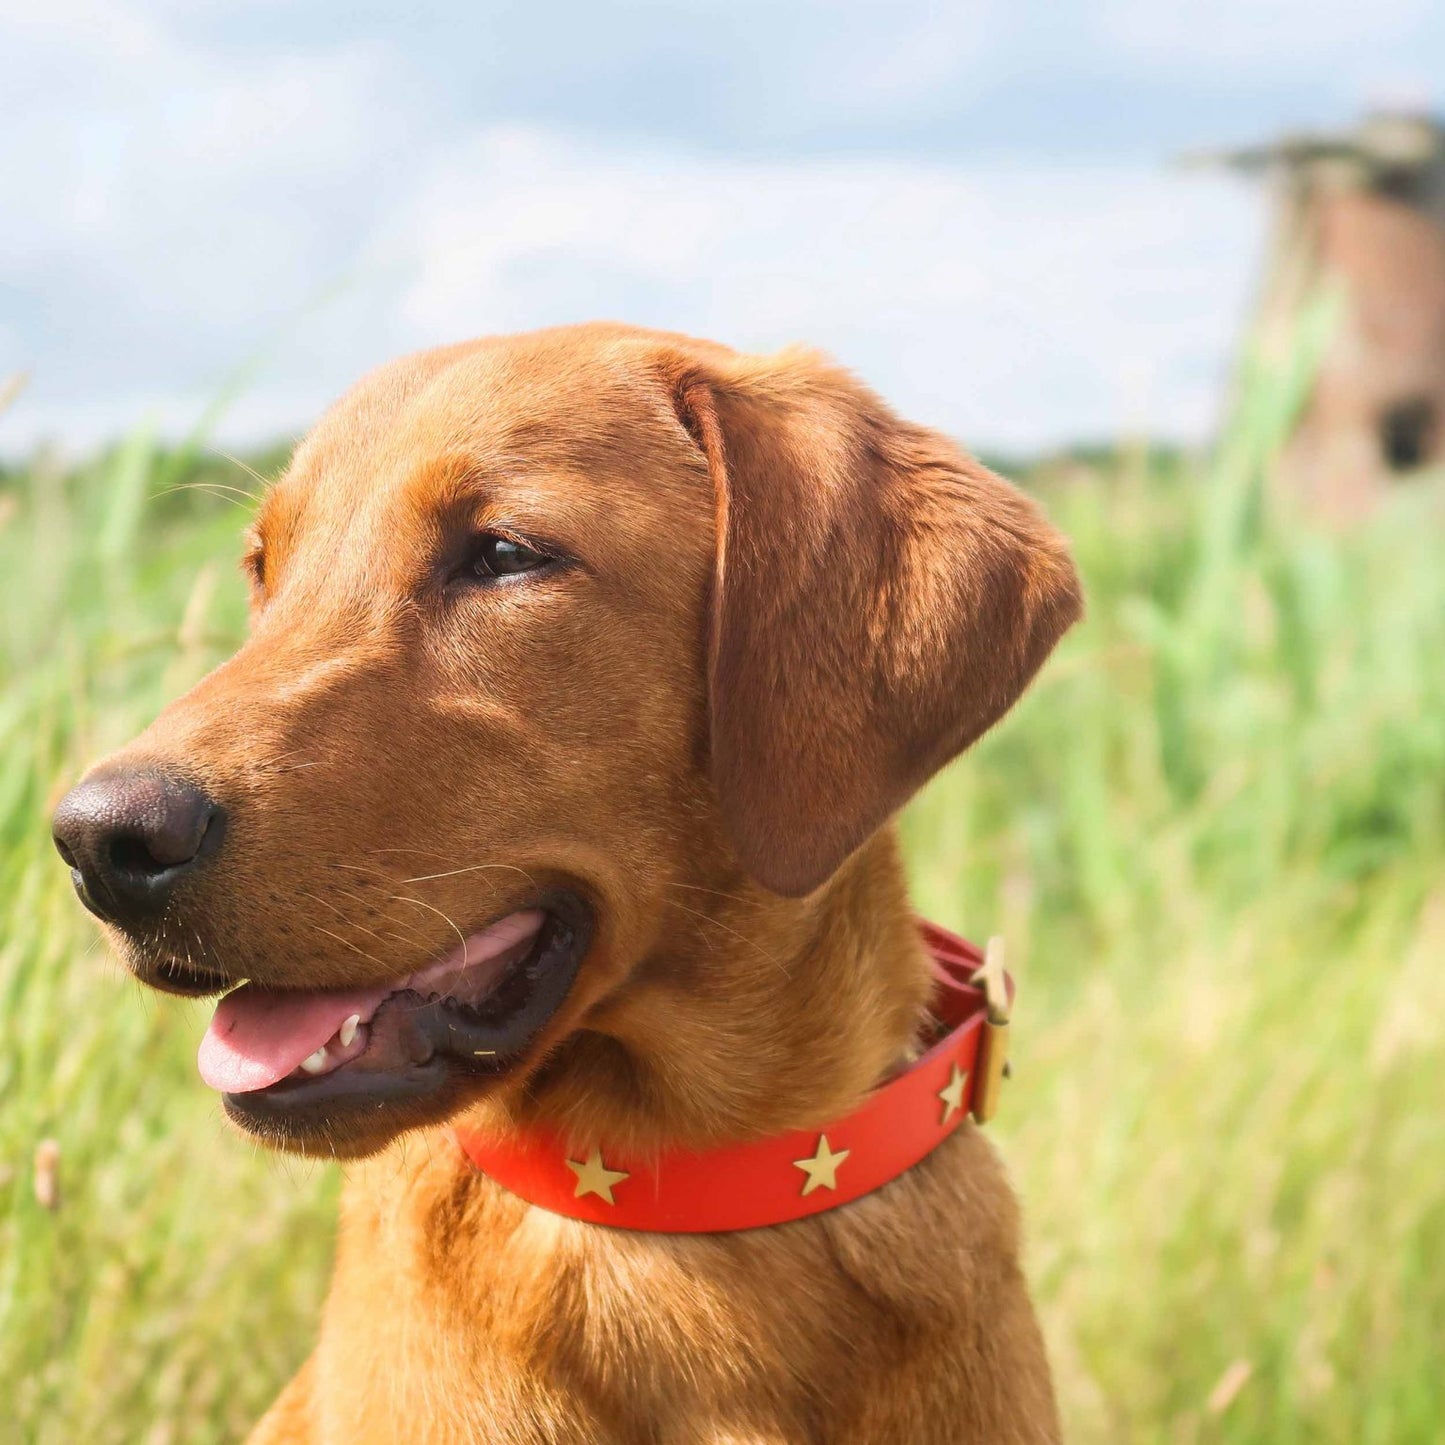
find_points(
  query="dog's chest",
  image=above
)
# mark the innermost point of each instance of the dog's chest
(490, 1320)
(459, 1314)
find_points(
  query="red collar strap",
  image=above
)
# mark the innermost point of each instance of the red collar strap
(787, 1176)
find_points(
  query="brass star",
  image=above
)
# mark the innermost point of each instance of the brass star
(822, 1168)
(594, 1177)
(952, 1093)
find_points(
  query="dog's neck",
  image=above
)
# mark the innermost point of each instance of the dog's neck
(754, 1014)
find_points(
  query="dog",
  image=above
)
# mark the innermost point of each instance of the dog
(550, 797)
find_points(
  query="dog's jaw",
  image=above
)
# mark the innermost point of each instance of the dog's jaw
(342, 1072)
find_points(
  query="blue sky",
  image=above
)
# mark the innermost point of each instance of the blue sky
(971, 204)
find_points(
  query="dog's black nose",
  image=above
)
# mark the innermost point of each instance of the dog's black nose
(130, 837)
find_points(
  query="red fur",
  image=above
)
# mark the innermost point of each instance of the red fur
(789, 609)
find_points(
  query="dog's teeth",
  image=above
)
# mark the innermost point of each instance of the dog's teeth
(315, 1062)
(347, 1031)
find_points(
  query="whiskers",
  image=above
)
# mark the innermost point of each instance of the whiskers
(273, 766)
(351, 920)
(391, 895)
(223, 490)
(244, 466)
(217, 489)
(472, 868)
(446, 917)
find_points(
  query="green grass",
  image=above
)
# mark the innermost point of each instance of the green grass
(1213, 836)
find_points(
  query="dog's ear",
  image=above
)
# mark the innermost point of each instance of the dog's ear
(880, 600)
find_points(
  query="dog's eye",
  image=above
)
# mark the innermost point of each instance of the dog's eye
(253, 566)
(497, 556)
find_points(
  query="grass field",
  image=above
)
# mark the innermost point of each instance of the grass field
(1213, 835)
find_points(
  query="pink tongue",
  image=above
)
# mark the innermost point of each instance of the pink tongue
(259, 1035)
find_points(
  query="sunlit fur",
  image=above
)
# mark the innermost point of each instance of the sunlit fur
(786, 608)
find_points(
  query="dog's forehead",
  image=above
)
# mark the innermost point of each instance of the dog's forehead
(538, 411)
(571, 410)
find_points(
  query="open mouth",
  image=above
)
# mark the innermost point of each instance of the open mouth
(294, 1063)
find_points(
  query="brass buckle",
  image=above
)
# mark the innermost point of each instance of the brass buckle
(991, 1068)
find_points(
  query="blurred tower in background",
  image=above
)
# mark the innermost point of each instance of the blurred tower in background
(1363, 211)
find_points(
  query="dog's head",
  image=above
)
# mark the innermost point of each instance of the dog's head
(556, 639)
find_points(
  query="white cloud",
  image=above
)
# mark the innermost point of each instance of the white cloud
(102, 28)
(883, 60)
(168, 210)
(1014, 304)
(174, 208)
(1258, 35)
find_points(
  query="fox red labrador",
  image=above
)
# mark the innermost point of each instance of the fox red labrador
(539, 842)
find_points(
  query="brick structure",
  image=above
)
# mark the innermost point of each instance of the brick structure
(1364, 211)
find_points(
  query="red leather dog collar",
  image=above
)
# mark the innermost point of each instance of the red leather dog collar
(787, 1176)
